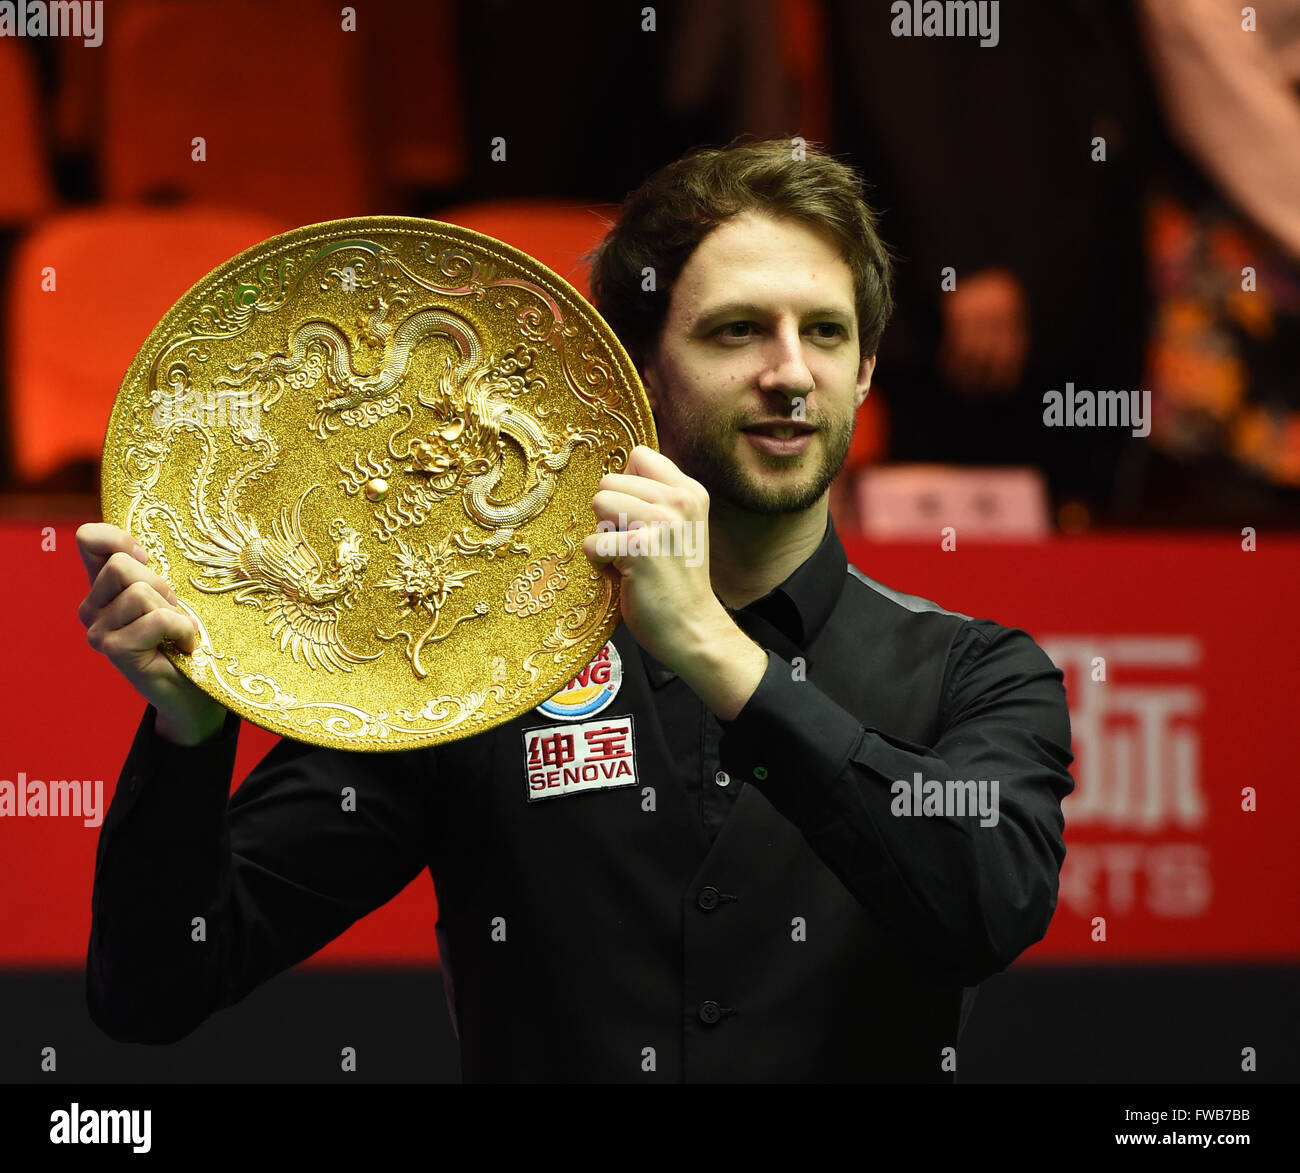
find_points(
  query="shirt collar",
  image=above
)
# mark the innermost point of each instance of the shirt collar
(788, 617)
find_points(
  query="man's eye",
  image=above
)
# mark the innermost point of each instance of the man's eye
(726, 331)
(834, 327)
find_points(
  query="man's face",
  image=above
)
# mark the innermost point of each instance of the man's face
(761, 314)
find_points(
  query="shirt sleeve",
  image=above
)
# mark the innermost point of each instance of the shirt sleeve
(275, 871)
(968, 892)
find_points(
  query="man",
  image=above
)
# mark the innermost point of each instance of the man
(764, 900)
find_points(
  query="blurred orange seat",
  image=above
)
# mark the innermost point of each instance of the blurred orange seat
(25, 192)
(115, 273)
(271, 89)
(555, 233)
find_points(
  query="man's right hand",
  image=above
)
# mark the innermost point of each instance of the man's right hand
(129, 611)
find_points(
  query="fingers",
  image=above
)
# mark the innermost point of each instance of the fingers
(118, 572)
(655, 492)
(651, 480)
(612, 506)
(97, 541)
(138, 619)
(150, 630)
(647, 462)
(609, 503)
(602, 552)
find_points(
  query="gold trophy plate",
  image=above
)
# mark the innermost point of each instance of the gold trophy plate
(363, 455)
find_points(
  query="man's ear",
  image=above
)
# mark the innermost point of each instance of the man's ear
(865, 370)
(650, 381)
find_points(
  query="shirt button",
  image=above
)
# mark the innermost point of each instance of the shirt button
(710, 1012)
(722, 778)
(708, 898)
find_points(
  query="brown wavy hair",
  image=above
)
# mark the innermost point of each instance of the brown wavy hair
(660, 224)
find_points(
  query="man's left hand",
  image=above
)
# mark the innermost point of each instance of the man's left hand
(655, 538)
(656, 542)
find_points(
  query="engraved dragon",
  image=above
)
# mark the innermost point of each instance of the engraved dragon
(466, 446)
(319, 352)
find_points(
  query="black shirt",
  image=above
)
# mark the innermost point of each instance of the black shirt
(694, 900)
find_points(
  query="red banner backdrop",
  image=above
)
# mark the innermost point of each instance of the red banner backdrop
(1180, 658)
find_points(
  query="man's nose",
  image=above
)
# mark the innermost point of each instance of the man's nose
(785, 370)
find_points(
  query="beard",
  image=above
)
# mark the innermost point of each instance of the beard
(705, 448)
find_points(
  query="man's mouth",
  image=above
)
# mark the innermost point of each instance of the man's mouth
(780, 437)
(780, 431)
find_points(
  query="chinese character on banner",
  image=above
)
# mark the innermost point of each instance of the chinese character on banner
(1138, 807)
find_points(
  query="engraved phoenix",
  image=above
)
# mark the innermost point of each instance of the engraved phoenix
(284, 575)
